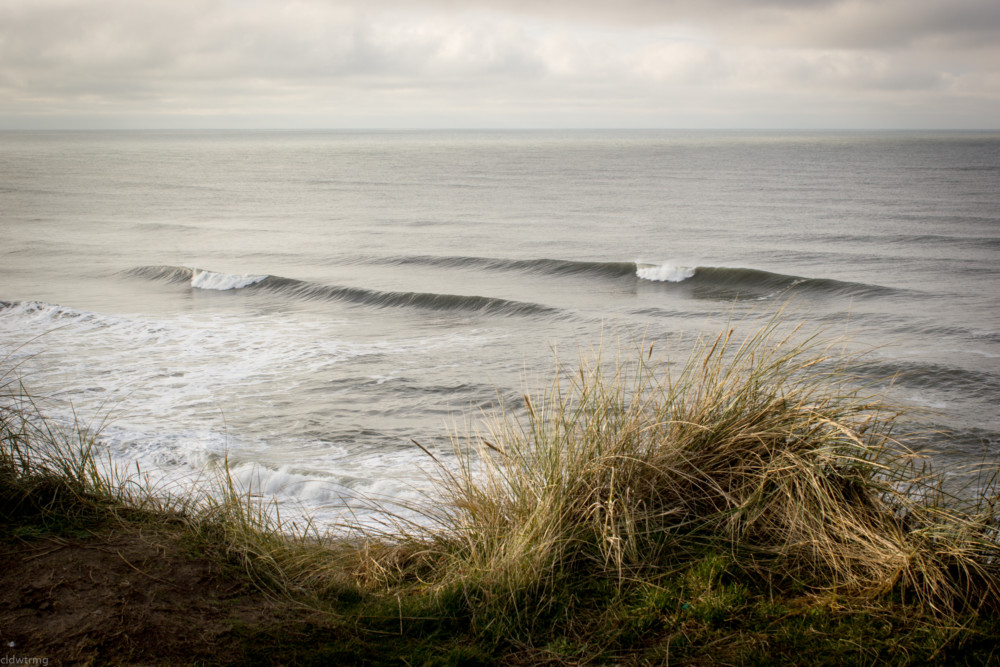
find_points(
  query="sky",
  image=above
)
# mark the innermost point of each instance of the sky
(771, 64)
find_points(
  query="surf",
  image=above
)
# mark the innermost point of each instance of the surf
(310, 291)
(721, 282)
(702, 281)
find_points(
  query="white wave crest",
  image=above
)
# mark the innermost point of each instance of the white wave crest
(222, 281)
(665, 272)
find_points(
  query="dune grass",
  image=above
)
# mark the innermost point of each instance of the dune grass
(748, 501)
(755, 461)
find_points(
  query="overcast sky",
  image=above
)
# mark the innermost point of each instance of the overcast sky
(500, 63)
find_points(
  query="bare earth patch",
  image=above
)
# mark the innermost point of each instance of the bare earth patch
(125, 595)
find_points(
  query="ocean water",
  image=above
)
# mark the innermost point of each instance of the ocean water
(306, 304)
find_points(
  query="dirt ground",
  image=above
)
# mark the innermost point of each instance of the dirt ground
(126, 595)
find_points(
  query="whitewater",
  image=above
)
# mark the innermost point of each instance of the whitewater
(303, 306)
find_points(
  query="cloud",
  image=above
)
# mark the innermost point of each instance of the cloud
(775, 23)
(498, 61)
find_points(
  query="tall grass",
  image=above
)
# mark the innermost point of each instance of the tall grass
(759, 454)
(55, 468)
(54, 473)
(759, 448)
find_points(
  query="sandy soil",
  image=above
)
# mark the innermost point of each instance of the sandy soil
(127, 595)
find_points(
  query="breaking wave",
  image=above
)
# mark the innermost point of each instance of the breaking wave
(222, 281)
(197, 278)
(664, 272)
(725, 282)
(310, 291)
(702, 281)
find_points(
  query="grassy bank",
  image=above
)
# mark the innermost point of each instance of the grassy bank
(746, 503)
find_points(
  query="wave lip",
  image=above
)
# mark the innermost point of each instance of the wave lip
(170, 274)
(722, 282)
(197, 278)
(424, 300)
(309, 291)
(709, 282)
(665, 272)
(553, 267)
(222, 281)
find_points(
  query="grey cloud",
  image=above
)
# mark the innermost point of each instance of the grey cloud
(826, 23)
(886, 24)
(208, 40)
(442, 58)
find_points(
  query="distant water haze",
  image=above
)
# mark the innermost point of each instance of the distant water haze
(308, 303)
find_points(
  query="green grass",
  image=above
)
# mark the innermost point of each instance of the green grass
(746, 503)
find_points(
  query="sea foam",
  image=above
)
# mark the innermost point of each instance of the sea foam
(665, 272)
(222, 281)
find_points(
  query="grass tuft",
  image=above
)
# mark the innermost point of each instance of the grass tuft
(748, 502)
(761, 451)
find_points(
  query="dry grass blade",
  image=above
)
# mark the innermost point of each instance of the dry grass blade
(757, 450)
(763, 448)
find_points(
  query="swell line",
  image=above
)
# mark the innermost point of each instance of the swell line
(557, 267)
(310, 291)
(723, 281)
(700, 281)
(426, 300)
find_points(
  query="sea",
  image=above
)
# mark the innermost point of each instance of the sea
(305, 307)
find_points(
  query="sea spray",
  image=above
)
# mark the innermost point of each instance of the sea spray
(222, 281)
(665, 272)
